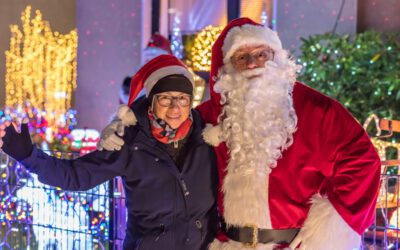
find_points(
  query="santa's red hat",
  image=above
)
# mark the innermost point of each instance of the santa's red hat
(239, 32)
(153, 71)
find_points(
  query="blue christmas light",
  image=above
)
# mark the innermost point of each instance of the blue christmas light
(264, 18)
(176, 38)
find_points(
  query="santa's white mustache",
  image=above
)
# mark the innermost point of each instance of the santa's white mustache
(257, 72)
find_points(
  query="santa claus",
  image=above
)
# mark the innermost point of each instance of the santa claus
(296, 169)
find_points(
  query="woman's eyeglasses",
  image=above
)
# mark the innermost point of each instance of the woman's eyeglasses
(167, 100)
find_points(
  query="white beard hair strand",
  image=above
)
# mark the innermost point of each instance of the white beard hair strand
(258, 121)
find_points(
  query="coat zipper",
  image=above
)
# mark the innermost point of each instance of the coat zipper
(185, 192)
(199, 226)
(162, 231)
(184, 187)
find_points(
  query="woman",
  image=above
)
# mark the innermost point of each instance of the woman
(169, 172)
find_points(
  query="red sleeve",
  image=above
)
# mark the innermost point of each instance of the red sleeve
(354, 184)
(208, 112)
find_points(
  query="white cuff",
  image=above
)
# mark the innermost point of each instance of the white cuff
(212, 134)
(325, 229)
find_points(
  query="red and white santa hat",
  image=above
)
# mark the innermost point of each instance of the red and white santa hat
(158, 45)
(159, 41)
(155, 70)
(239, 32)
(244, 31)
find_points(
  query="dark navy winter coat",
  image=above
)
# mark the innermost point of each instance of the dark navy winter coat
(167, 209)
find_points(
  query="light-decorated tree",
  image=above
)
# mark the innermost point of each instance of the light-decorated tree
(40, 79)
(361, 72)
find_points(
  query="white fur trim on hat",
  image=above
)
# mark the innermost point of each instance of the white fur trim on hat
(212, 135)
(325, 229)
(249, 34)
(166, 71)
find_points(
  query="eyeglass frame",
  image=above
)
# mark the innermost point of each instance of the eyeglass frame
(252, 55)
(173, 99)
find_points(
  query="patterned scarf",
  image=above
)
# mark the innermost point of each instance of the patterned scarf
(164, 133)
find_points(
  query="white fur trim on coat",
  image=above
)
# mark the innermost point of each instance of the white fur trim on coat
(166, 71)
(212, 135)
(126, 115)
(325, 229)
(249, 34)
(233, 245)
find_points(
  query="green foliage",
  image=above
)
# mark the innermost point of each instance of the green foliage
(361, 72)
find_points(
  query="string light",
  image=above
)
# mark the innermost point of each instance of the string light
(381, 145)
(41, 66)
(176, 38)
(386, 199)
(264, 18)
(199, 88)
(376, 120)
(52, 205)
(201, 50)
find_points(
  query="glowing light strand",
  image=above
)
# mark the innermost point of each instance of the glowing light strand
(176, 38)
(44, 70)
(201, 50)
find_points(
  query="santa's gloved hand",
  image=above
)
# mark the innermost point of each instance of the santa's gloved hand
(111, 136)
(16, 144)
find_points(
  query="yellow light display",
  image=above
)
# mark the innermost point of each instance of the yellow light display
(381, 145)
(386, 198)
(201, 50)
(200, 84)
(41, 66)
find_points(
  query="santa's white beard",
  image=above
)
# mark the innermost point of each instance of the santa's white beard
(258, 119)
(258, 122)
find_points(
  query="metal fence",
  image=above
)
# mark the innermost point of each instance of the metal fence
(38, 216)
(384, 233)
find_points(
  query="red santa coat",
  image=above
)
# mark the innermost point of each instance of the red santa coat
(331, 155)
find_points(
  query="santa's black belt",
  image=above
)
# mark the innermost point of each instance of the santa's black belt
(250, 235)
